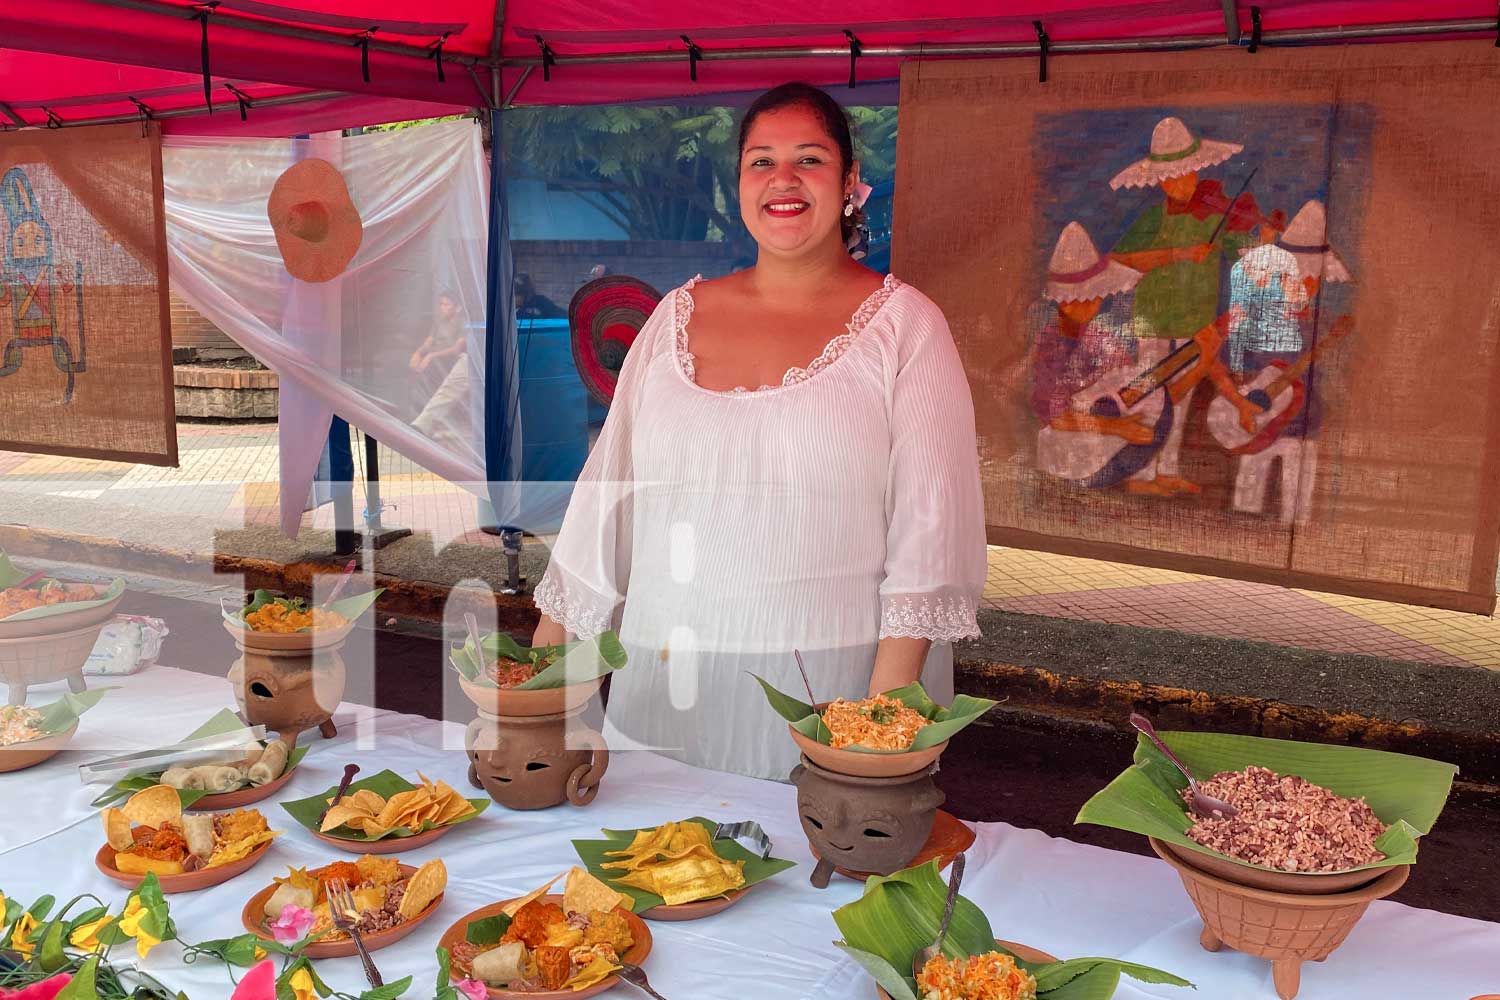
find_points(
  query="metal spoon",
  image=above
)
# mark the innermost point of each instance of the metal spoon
(472, 624)
(341, 583)
(350, 770)
(811, 700)
(1200, 802)
(927, 954)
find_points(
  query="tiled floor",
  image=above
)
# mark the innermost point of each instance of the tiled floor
(229, 473)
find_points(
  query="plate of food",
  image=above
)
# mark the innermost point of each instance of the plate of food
(150, 834)
(894, 733)
(385, 813)
(36, 604)
(391, 900)
(545, 946)
(676, 871)
(1312, 817)
(506, 678)
(29, 736)
(898, 916)
(237, 777)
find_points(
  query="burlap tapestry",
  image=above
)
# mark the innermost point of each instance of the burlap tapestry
(1223, 312)
(85, 330)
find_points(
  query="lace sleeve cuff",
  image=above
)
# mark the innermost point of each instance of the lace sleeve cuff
(941, 618)
(579, 610)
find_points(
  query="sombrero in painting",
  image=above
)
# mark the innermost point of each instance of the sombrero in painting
(1306, 238)
(605, 316)
(1077, 272)
(317, 227)
(1175, 152)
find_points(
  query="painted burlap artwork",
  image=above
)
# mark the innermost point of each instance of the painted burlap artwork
(85, 341)
(1224, 312)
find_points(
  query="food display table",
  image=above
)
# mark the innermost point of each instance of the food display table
(1065, 898)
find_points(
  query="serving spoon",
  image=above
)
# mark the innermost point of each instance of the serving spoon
(1199, 801)
(927, 954)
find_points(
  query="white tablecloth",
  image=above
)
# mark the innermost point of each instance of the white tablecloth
(1066, 898)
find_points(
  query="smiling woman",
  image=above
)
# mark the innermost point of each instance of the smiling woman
(836, 510)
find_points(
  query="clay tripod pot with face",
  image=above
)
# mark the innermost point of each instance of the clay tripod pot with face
(289, 682)
(861, 824)
(535, 762)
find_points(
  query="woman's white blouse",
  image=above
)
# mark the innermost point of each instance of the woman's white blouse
(719, 531)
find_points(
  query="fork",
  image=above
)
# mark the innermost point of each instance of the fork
(636, 976)
(346, 918)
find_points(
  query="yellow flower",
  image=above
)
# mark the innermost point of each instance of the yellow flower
(25, 927)
(86, 936)
(130, 924)
(302, 985)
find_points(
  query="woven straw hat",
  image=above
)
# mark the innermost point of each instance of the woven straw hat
(1306, 238)
(317, 227)
(1077, 273)
(1175, 152)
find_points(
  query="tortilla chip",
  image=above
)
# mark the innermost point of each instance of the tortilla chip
(514, 905)
(560, 935)
(134, 864)
(692, 878)
(155, 807)
(381, 871)
(583, 892)
(342, 815)
(369, 900)
(599, 969)
(422, 888)
(298, 878)
(238, 850)
(117, 829)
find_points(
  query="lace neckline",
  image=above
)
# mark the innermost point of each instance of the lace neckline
(832, 351)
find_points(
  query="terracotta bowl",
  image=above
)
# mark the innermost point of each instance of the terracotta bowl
(253, 917)
(1299, 883)
(695, 910)
(49, 649)
(386, 845)
(867, 765)
(289, 641)
(1287, 928)
(635, 956)
(525, 704)
(242, 797)
(187, 881)
(54, 624)
(19, 756)
(1021, 951)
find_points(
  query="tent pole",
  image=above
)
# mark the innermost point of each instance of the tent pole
(497, 33)
(1231, 23)
(260, 102)
(10, 112)
(510, 97)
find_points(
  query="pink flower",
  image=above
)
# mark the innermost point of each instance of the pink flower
(45, 990)
(472, 988)
(293, 924)
(259, 983)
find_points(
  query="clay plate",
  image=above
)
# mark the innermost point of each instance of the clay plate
(1021, 951)
(68, 621)
(950, 836)
(19, 756)
(239, 798)
(1296, 883)
(385, 845)
(526, 704)
(867, 765)
(288, 641)
(187, 881)
(695, 910)
(635, 956)
(253, 917)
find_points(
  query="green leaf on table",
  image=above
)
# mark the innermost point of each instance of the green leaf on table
(571, 663)
(899, 987)
(444, 989)
(83, 985)
(487, 931)
(11, 575)
(783, 704)
(348, 608)
(594, 855)
(943, 723)
(50, 956)
(41, 908)
(62, 714)
(158, 921)
(1407, 793)
(385, 784)
(390, 991)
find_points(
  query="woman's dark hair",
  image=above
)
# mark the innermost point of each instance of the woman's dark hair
(829, 114)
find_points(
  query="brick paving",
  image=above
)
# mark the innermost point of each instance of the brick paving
(228, 474)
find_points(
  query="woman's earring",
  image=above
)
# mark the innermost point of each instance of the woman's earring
(848, 205)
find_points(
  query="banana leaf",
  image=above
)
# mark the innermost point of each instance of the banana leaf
(224, 721)
(1407, 793)
(385, 784)
(62, 714)
(348, 608)
(575, 663)
(592, 853)
(898, 916)
(10, 576)
(944, 722)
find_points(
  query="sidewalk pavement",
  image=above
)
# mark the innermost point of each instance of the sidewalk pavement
(227, 482)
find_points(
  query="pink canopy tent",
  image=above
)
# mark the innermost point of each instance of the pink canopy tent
(296, 65)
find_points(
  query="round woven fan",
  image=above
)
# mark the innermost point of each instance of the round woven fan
(605, 316)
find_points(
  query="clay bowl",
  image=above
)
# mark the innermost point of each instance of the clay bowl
(635, 956)
(242, 797)
(385, 845)
(696, 910)
(68, 621)
(865, 765)
(1021, 951)
(1286, 928)
(525, 704)
(253, 917)
(1298, 883)
(187, 881)
(950, 837)
(19, 756)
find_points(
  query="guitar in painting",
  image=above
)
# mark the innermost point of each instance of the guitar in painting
(1279, 390)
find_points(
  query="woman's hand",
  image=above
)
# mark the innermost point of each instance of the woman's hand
(898, 662)
(549, 633)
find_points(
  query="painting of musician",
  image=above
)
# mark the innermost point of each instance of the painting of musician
(1178, 244)
(34, 287)
(1271, 350)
